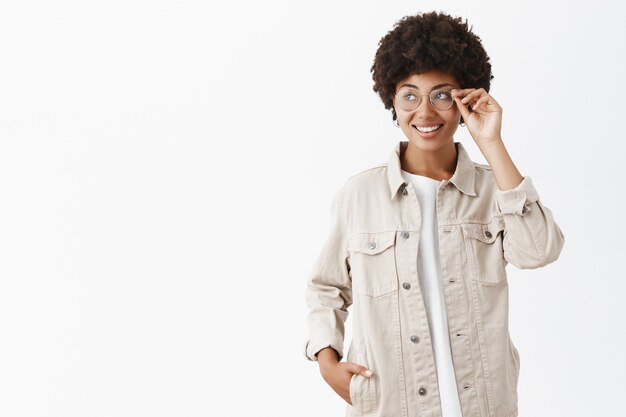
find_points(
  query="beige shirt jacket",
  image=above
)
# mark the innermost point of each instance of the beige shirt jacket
(369, 262)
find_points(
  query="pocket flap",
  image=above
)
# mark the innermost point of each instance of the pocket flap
(372, 243)
(488, 232)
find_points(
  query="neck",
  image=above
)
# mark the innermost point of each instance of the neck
(438, 165)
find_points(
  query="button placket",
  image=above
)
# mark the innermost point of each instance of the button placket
(415, 339)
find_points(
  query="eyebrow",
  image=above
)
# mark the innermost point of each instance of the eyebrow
(434, 88)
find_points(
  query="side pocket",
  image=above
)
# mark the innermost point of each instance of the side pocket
(353, 394)
(362, 390)
(517, 362)
(514, 375)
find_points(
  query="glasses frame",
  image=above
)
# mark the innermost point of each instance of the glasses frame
(430, 98)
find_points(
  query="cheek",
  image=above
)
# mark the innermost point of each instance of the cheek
(404, 116)
(452, 121)
(404, 119)
(454, 117)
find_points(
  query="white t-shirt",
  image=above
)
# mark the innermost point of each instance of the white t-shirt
(429, 271)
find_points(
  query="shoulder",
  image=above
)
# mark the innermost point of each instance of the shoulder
(483, 172)
(485, 182)
(368, 180)
(479, 166)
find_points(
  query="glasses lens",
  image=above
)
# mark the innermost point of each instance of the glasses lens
(441, 99)
(408, 99)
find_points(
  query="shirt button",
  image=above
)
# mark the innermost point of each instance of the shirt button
(524, 210)
(487, 233)
(415, 339)
(405, 234)
(372, 245)
(422, 391)
(404, 191)
(406, 285)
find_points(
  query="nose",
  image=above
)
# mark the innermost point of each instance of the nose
(425, 108)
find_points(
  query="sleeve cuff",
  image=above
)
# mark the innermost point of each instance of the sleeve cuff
(517, 200)
(313, 346)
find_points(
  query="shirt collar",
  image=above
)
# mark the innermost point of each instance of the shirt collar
(463, 178)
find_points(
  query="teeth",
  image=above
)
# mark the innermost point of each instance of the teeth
(428, 129)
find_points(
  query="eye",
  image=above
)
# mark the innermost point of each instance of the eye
(442, 95)
(406, 94)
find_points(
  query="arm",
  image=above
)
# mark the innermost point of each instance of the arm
(329, 290)
(532, 238)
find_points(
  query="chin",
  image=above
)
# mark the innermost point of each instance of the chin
(429, 144)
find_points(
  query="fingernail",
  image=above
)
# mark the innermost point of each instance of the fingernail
(454, 90)
(368, 373)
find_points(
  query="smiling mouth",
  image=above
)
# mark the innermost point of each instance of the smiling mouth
(428, 129)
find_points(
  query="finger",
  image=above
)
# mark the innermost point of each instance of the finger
(461, 92)
(355, 368)
(488, 103)
(483, 100)
(474, 95)
(462, 108)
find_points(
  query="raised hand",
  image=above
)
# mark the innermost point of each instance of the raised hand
(484, 122)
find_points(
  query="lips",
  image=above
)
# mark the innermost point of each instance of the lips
(428, 129)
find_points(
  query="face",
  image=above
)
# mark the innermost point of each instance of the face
(425, 115)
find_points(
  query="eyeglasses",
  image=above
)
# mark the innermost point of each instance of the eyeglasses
(409, 99)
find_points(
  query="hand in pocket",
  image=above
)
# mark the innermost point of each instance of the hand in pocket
(338, 375)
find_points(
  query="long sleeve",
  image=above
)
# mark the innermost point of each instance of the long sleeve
(329, 288)
(532, 239)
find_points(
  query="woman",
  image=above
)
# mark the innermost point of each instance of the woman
(419, 245)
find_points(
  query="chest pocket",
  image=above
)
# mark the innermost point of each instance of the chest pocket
(373, 263)
(484, 244)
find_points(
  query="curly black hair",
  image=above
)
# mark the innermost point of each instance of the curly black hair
(429, 41)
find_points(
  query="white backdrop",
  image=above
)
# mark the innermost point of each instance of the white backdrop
(166, 170)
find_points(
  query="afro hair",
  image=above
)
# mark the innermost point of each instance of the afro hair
(429, 41)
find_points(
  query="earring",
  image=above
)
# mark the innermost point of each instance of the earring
(396, 123)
